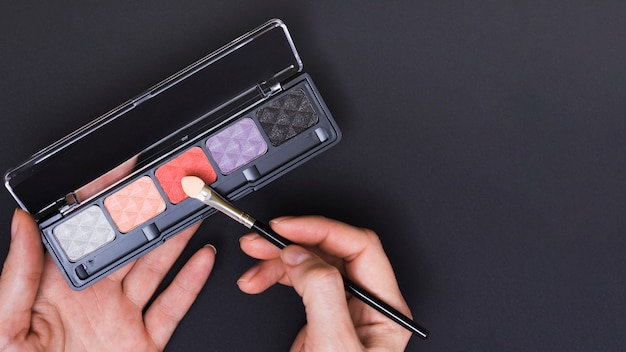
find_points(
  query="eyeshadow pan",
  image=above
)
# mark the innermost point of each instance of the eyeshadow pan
(287, 116)
(191, 163)
(84, 233)
(134, 204)
(236, 145)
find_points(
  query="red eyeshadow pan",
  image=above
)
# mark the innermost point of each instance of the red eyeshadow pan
(191, 163)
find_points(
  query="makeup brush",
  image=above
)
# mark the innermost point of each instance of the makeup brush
(194, 187)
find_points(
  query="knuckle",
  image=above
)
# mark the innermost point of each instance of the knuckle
(371, 236)
(325, 276)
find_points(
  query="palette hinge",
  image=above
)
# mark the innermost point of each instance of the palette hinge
(71, 201)
(270, 88)
(272, 85)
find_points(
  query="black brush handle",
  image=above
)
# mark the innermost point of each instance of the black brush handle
(351, 287)
(270, 235)
(384, 308)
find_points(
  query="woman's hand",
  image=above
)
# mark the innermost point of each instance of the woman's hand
(334, 323)
(39, 311)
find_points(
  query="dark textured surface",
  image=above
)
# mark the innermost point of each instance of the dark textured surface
(286, 117)
(484, 141)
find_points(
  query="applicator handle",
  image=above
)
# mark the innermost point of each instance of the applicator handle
(270, 235)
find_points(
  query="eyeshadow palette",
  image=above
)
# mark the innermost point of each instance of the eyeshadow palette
(238, 119)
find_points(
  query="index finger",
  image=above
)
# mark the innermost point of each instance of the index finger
(365, 259)
(333, 237)
(148, 271)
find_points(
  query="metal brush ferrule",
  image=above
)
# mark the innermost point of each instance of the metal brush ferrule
(211, 198)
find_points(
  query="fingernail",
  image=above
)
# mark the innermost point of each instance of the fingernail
(249, 274)
(250, 237)
(295, 255)
(212, 247)
(280, 219)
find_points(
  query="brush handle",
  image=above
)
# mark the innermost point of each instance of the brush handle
(390, 312)
(351, 287)
(270, 235)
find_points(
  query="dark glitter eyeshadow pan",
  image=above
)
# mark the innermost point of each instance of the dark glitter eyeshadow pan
(287, 116)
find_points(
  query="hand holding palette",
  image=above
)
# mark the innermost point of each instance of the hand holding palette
(237, 119)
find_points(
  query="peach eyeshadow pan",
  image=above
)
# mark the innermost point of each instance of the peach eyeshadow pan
(134, 204)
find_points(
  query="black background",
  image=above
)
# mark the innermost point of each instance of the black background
(483, 140)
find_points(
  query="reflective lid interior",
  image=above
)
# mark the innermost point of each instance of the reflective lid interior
(152, 122)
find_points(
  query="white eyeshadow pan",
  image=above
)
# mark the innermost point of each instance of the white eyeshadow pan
(84, 233)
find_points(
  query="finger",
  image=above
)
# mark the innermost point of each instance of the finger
(299, 341)
(321, 287)
(361, 249)
(333, 237)
(21, 273)
(171, 305)
(148, 271)
(257, 247)
(262, 276)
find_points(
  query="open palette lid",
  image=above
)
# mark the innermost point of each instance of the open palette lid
(247, 70)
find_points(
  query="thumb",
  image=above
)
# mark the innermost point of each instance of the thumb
(21, 273)
(321, 287)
